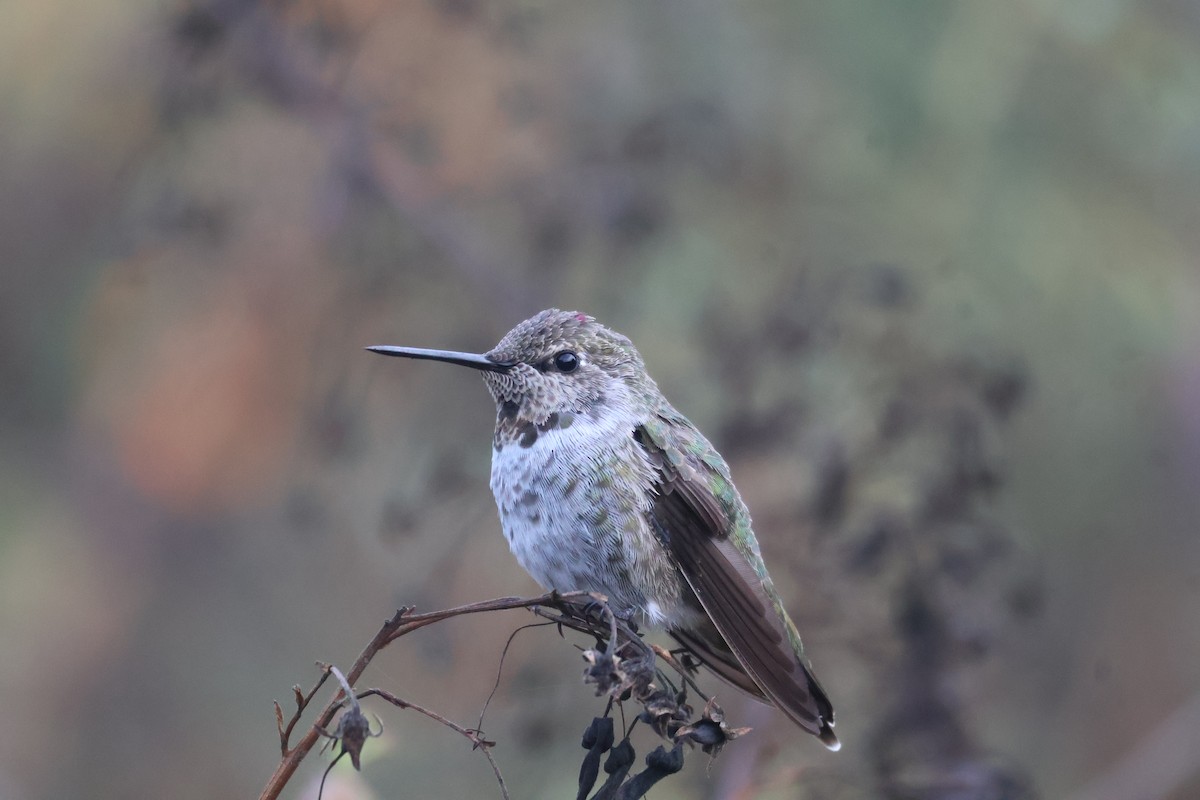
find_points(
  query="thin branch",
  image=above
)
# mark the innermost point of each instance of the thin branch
(403, 622)
(293, 756)
(302, 701)
(500, 668)
(558, 600)
(473, 736)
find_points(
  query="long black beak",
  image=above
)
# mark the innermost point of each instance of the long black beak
(449, 356)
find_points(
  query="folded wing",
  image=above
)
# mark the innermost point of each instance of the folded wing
(694, 516)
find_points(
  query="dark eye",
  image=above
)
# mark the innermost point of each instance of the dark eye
(566, 361)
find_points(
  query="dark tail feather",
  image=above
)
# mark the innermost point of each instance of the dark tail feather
(710, 647)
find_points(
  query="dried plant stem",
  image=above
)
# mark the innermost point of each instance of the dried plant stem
(474, 736)
(403, 622)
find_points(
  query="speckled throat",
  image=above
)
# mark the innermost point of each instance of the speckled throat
(513, 428)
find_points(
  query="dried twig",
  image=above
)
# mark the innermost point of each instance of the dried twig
(302, 701)
(403, 622)
(500, 668)
(475, 737)
(621, 666)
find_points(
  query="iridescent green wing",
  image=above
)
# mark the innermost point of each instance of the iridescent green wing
(705, 525)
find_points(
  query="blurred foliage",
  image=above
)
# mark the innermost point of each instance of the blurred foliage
(926, 273)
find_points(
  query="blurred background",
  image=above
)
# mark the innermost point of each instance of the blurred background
(926, 273)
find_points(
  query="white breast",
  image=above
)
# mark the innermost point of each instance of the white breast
(540, 492)
(560, 524)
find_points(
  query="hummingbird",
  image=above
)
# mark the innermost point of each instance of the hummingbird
(602, 486)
